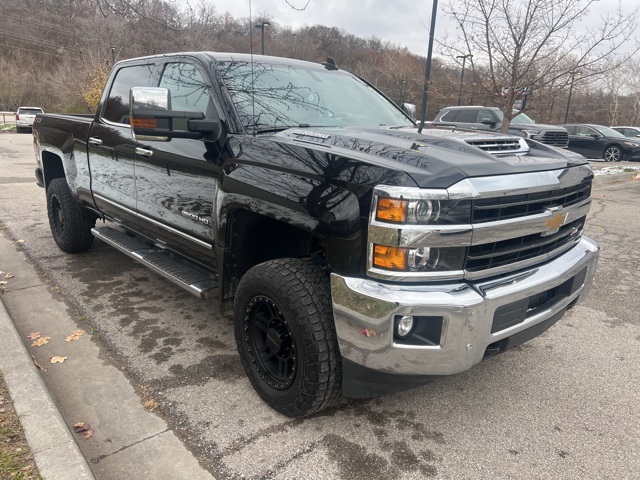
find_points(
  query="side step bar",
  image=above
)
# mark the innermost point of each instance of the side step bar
(181, 273)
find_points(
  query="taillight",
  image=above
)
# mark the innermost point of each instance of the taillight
(17, 117)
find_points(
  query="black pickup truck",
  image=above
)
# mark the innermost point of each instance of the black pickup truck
(357, 256)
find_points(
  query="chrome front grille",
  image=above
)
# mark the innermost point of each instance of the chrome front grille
(514, 222)
(515, 206)
(556, 139)
(514, 250)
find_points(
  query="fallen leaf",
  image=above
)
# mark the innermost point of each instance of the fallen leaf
(41, 341)
(3, 282)
(33, 336)
(58, 359)
(37, 364)
(84, 428)
(20, 241)
(75, 335)
(8, 276)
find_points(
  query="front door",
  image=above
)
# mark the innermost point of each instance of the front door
(176, 179)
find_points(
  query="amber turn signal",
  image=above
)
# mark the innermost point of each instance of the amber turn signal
(392, 210)
(391, 258)
(144, 122)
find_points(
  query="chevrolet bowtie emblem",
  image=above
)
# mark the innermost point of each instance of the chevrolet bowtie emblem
(555, 222)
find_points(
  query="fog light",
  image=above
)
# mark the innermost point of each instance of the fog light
(405, 326)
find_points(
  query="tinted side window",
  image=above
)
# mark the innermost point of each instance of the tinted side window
(450, 116)
(188, 87)
(468, 116)
(117, 106)
(571, 129)
(485, 115)
(586, 131)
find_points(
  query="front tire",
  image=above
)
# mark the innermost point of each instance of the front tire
(286, 338)
(612, 154)
(70, 225)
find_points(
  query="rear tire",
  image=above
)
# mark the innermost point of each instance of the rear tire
(70, 225)
(286, 337)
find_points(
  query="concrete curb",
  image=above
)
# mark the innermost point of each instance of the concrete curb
(54, 448)
(614, 178)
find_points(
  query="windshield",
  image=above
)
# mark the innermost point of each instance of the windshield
(609, 132)
(29, 111)
(519, 118)
(273, 96)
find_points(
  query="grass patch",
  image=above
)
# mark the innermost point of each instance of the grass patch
(7, 127)
(16, 458)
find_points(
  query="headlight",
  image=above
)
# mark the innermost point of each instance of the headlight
(423, 259)
(423, 212)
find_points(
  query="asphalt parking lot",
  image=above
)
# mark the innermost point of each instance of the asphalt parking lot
(565, 405)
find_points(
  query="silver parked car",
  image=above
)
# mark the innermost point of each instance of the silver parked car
(628, 131)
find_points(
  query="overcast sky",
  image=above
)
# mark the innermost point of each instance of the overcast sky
(404, 22)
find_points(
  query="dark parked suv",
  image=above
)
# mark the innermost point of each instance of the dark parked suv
(490, 118)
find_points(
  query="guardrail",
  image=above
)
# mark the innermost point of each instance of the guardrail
(8, 117)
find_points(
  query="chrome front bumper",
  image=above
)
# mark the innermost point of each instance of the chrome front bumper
(365, 310)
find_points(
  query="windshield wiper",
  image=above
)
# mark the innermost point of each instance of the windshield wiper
(281, 129)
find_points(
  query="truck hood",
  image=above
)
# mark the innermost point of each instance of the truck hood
(437, 158)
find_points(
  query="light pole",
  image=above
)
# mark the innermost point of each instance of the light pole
(566, 112)
(464, 58)
(427, 70)
(261, 27)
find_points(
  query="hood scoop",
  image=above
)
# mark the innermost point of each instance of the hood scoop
(500, 146)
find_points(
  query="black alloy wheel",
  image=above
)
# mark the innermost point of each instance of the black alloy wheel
(270, 342)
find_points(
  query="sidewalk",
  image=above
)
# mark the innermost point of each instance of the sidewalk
(127, 442)
(54, 448)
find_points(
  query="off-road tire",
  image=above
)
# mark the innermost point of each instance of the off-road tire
(70, 225)
(286, 337)
(612, 154)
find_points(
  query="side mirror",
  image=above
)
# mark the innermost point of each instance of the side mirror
(152, 118)
(487, 121)
(595, 136)
(410, 109)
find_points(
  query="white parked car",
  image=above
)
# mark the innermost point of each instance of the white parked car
(25, 118)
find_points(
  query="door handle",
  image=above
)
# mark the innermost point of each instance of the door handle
(143, 152)
(95, 141)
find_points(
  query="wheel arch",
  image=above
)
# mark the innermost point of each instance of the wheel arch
(253, 238)
(52, 167)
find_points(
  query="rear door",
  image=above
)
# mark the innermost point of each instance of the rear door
(111, 146)
(176, 179)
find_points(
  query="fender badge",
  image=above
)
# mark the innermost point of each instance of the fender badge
(554, 223)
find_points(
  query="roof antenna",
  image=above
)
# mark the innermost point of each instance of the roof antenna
(330, 64)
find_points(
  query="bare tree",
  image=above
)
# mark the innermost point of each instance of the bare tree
(518, 43)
